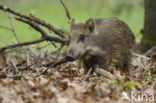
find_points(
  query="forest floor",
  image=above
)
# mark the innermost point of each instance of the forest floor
(68, 84)
(20, 81)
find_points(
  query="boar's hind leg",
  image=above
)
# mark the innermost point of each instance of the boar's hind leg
(126, 64)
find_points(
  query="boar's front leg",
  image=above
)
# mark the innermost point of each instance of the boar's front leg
(88, 64)
(95, 60)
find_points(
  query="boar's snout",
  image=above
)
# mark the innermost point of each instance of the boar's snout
(70, 55)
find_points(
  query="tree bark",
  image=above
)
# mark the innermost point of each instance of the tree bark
(149, 31)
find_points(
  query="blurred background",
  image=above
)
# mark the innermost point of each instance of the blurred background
(130, 11)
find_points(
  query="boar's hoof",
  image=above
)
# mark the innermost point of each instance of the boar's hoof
(69, 58)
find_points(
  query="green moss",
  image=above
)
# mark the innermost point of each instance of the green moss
(129, 84)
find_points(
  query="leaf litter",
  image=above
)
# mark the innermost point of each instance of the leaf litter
(67, 83)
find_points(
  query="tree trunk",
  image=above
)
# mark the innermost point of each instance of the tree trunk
(149, 31)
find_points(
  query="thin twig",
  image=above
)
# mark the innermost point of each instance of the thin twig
(28, 59)
(66, 9)
(150, 51)
(99, 9)
(54, 44)
(59, 51)
(17, 76)
(87, 75)
(141, 56)
(61, 61)
(13, 28)
(22, 44)
(6, 28)
(14, 65)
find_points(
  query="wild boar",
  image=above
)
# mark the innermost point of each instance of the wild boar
(101, 43)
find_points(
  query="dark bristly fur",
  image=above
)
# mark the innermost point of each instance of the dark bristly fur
(105, 43)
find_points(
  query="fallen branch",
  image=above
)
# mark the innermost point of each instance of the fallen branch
(33, 18)
(106, 74)
(150, 51)
(53, 65)
(43, 33)
(45, 36)
(17, 76)
(141, 56)
(21, 44)
(33, 22)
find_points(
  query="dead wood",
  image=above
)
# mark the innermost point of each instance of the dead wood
(33, 18)
(21, 44)
(141, 56)
(43, 33)
(54, 64)
(106, 74)
(150, 51)
(33, 22)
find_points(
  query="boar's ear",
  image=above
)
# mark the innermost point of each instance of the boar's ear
(72, 22)
(90, 24)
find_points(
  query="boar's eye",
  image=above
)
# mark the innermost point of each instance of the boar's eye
(81, 38)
